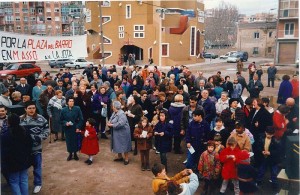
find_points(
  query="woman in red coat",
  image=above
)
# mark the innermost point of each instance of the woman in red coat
(90, 144)
(230, 157)
(280, 122)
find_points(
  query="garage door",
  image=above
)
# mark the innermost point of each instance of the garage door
(287, 53)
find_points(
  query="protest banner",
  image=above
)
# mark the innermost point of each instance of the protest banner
(19, 47)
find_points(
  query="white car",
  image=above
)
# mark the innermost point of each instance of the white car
(227, 55)
(78, 63)
(233, 58)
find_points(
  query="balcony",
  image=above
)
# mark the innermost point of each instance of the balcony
(288, 14)
(283, 34)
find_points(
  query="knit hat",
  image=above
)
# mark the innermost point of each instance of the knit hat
(232, 100)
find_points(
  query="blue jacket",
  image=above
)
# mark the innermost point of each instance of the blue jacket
(175, 112)
(209, 108)
(164, 143)
(285, 91)
(197, 134)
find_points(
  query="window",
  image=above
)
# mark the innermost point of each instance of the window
(139, 28)
(32, 10)
(25, 19)
(56, 9)
(18, 27)
(40, 10)
(93, 47)
(289, 29)
(26, 28)
(286, 13)
(17, 18)
(165, 50)
(57, 19)
(139, 35)
(32, 18)
(121, 35)
(48, 10)
(192, 41)
(24, 3)
(255, 50)
(17, 10)
(270, 34)
(105, 3)
(106, 40)
(121, 28)
(25, 10)
(150, 52)
(106, 19)
(256, 35)
(49, 18)
(269, 49)
(128, 11)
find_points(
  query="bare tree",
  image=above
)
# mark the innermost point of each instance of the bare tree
(221, 26)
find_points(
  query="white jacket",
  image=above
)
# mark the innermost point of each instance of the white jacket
(5, 101)
(220, 105)
(191, 187)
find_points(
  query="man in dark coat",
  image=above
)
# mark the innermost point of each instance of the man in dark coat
(272, 70)
(208, 105)
(255, 87)
(146, 105)
(88, 71)
(23, 88)
(232, 114)
(293, 115)
(72, 121)
(241, 81)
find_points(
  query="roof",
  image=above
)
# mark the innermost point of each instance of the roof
(258, 25)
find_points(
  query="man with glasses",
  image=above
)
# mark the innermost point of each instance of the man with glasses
(38, 128)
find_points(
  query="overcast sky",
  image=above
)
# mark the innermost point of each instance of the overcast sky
(246, 6)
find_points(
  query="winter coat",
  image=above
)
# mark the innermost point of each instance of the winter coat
(36, 92)
(90, 145)
(243, 141)
(125, 87)
(187, 116)
(295, 85)
(5, 100)
(120, 133)
(274, 148)
(54, 109)
(210, 109)
(26, 90)
(229, 166)
(143, 143)
(230, 122)
(264, 119)
(45, 98)
(191, 187)
(255, 89)
(247, 172)
(137, 111)
(242, 81)
(284, 92)
(73, 115)
(164, 143)
(147, 105)
(279, 124)
(175, 112)
(223, 133)
(86, 105)
(294, 113)
(237, 91)
(15, 152)
(209, 165)
(248, 133)
(272, 72)
(217, 92)
(197, 134)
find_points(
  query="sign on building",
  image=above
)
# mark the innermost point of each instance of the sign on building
(18, 47)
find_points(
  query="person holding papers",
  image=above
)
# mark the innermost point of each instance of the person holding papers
(196, 138)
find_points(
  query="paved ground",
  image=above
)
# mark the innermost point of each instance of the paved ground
(106, 176)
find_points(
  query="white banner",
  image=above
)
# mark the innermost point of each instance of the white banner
(19, 47)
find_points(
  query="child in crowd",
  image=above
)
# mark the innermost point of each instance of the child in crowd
(163, 136)
(248, 133)
(143, 134)
(196, 137)
(229, 158)
(160, 182)
(218, 143)
(266, 102)
(268, 155)
(209, 167)
(242, 139)
(184, 188)
(90, 144)
(219, 129)
(246, 175)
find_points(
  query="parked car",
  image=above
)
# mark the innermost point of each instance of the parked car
(227, 55)
(240, 55)
(210, 55)
(21, 69)
(78, 63)
(58, 63)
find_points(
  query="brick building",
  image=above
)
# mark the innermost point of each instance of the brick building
(257, 38)
(136, 27)
(287, 45)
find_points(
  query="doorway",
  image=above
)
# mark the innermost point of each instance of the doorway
(132, 49)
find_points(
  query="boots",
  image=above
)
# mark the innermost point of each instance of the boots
(103, 136)
(143, 167)
(69, 157)
(148, 167)
(75, 156)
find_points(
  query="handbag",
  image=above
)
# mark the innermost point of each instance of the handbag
(104, 112)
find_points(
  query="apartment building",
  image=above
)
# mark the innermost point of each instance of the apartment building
(139, 27)
(51, 18)
(287, 45)
(257, 38)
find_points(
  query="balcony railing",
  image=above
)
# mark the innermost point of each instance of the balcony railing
(284, 34)
(288, 13)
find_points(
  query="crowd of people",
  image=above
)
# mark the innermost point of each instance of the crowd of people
(204, 118)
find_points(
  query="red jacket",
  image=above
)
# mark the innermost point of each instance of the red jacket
(229, 166)
(279, 124)
(90, 145)
(295, 84)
